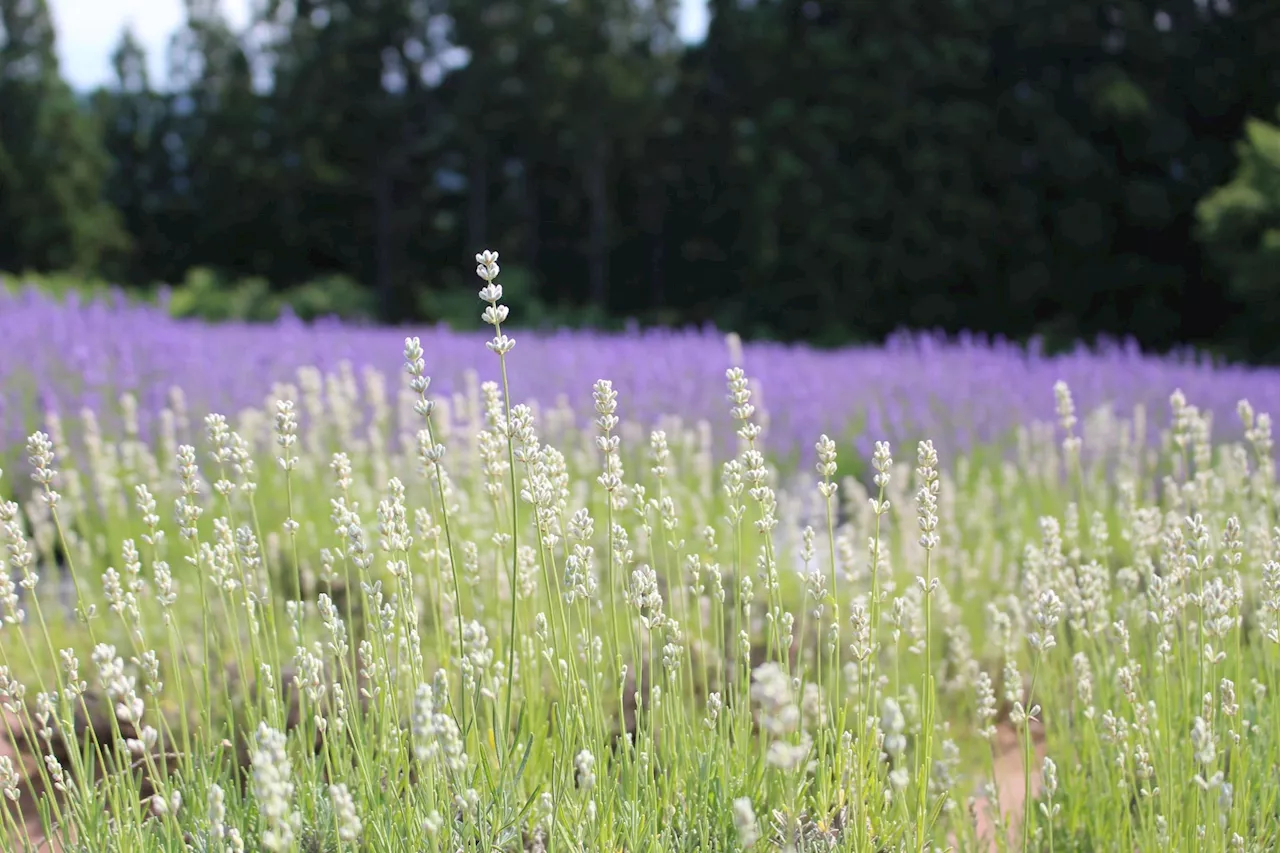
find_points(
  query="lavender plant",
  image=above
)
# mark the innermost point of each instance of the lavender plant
(355, 617)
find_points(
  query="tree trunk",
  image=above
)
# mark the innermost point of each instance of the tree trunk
(655, 220)
(478, 197)
(598, 236)
(533, 224)
(383, 201)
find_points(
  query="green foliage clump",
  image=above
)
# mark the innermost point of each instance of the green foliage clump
(202, 295)
(1239, 223)
(456, 306)
(206, 296)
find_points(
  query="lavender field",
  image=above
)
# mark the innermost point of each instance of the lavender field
(330, 588)
(67, 354)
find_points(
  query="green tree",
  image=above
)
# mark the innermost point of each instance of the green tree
(134, 119)
(219, 198)
(354, 130)
(555, 106)
(1017, 166)
(841, 149)
(53, 214)
(1112, 121)
(1239, 223)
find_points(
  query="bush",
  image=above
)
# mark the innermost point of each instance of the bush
(204, 295)
(332, 296)
(453, 303)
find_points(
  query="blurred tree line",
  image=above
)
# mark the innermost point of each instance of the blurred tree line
(831, 170)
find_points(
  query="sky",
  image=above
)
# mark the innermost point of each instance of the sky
(88, 31)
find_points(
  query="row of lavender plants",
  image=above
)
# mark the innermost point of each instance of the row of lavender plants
(368, 613)
(75, 353)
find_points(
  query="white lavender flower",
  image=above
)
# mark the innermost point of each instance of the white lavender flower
(119, 686)
(40, 455)
(8, 779)
(1203, 742)
(786, 756)
(644, 596)
(494, 314)
(927, 502)
(744, 822)
(771, 689)
(1049, 776)
(893, 723)
(273, 789)
(826, 450)
(217, 812)
(986, 706)
(21, 560)
(1045, 614)
(714, 706)
(584, 768)
(345, 814)
(1230, 707)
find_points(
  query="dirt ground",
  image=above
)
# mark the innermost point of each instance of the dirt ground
(1010, 781)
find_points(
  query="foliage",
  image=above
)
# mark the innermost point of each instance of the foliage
(1240, 222)
(334, 296)
(455, 306)
(824, 171)
(205, 296)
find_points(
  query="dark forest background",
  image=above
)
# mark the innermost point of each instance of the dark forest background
(826, 170)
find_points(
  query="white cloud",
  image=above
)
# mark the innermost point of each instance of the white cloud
(694, 17)
(89, 30)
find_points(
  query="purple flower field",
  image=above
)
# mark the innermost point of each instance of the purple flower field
(74, 353)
